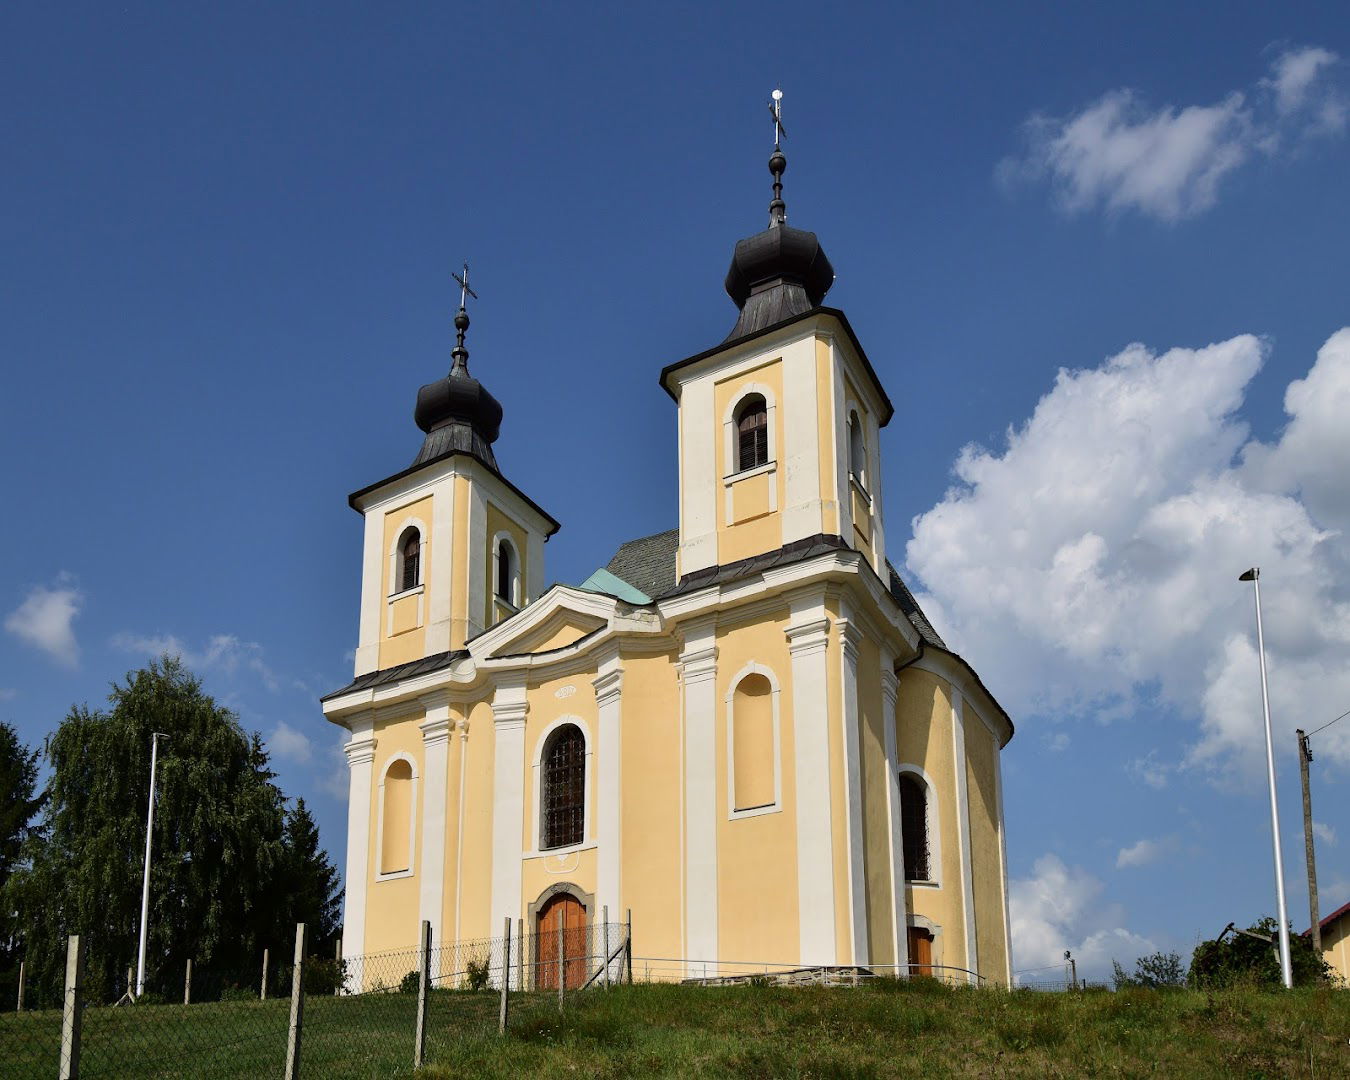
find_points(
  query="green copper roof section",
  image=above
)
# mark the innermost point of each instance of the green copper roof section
(602, 581)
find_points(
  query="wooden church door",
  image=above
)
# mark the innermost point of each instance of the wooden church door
(920, 952)
(563, 913)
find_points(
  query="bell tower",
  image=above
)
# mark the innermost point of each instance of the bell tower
(451, 546)
(779, 423)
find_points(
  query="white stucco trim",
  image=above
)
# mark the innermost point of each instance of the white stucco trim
(608, 686)
(537, 791)
(934, 827)
(698, 477)
(729, 700)
(849, 637)
(808, 636)
(413, 807)
(435, 730)
(963, 819)
(698, 678)
(360, 752)
(439, 568)
(509, 709)
(1002, 857)
(803, 510)
(372, 601)
(478, 585)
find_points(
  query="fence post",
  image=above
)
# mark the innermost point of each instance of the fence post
(187, 983)
(21, 973)
(506, 976)
(341, 977)
(262, 993)
(562, 976)
(73, 1010)
(520, 954)
(604, 916)
(297, 1005)
(628, 946)
(423, 985)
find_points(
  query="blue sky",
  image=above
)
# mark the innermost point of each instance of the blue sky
(228, 237)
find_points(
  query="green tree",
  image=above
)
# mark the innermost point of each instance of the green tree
(221, 874)
(19, 805)
(1157, 971)
(1236, 959)
(308, 881)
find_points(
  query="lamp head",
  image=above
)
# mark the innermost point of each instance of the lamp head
(1251, 575)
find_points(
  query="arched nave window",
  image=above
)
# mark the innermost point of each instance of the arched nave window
(562, 789)
(409, 559)
(752, 433)
(753, 750)
(857, 450)
(398, 788)
(914, 827)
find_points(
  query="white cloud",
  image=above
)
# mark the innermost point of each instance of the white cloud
(1057, 742)
(1092, 565)
(1149, 770)
(1143, 852)
(290, 743)
(45, 619)
(223, 653)
(1168, 162)
(1325, 833)
(335, 780)
(1059, 908)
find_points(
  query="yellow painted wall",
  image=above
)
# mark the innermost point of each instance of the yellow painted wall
(392, 905)
(499, 521)
(876, 819)
(923, 734)
(650, 818)
(757, 855)
(560, 632)
(408, 640)
(987, 875)
(475, 892)
(751, 530)
(1336, 946)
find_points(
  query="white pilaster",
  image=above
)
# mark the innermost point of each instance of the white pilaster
(1003, 857)
(436, 767)
(508, 800)
(801, 443)
(963, 832)
(440, 565)
(477, 559)
(808, 646)
(360, 750)
(698, 676)
(608, 686)
(890, 693)
(372, 594)
(699, 482)
(849, 636)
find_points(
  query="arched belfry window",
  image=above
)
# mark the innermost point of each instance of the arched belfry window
(562, 789)
(506, 571)
(914, 827)
(752, 433)
(409, 559)
(857, 450)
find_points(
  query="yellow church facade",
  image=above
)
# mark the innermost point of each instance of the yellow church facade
(743, 730)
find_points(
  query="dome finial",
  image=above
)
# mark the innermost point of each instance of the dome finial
(459, 353)
(777, 162)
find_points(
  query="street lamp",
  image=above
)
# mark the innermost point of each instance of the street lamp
(1286, 971)
(155, 736)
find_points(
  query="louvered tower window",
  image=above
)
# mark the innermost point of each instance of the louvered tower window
(914, 827)
(752, 432)
(563, 788)
(410, 560)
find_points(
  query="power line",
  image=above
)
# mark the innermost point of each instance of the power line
(1329, 723)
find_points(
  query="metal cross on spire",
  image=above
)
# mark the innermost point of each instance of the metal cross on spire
(463, 283)
(776, 110)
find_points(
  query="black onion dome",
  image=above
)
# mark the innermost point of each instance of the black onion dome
(457, 412)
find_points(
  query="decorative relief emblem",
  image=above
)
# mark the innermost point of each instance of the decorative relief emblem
(564, 692)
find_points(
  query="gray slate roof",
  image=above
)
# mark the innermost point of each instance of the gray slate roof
(648, 563)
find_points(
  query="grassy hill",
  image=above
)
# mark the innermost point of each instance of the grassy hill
(894, 1029)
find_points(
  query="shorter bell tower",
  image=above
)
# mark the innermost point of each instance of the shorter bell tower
(451, 546)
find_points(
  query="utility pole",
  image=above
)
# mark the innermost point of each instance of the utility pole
(145, 883)
(1304, 757)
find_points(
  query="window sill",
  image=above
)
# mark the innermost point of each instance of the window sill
(544, 853)
(394, 875)
(856, 484)
(922, 883)
(414, 591)
(755, 811)
(746, 474)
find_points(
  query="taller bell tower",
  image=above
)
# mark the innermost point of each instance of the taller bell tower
(451, 546)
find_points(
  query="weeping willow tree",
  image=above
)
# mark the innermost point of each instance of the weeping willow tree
(234, 869)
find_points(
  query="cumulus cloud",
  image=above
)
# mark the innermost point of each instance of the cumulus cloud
(46, 620)
(1118, 153)
(1325, 833)
(1149, 770)
(290, 743)
(1057, 742)
(1145, 851)
(222, 652)
(1058, 907)
(1091, 566)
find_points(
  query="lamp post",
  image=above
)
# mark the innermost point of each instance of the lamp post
(155, 736)
(1286, 971)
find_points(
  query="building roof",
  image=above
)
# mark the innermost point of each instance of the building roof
(648, 563)
(1338, 913)
(410, 670)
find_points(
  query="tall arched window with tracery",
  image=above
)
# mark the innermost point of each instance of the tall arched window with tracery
(562, 789)
(914, 827)
(409, 560)
(752, 433)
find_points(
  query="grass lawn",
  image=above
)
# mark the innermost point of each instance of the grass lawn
(883, 1029)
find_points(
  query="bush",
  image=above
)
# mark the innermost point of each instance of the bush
(1239, 960)
(477, 975)
(1157, 971)
(409, 983)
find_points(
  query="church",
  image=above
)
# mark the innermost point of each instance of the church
(743, 730)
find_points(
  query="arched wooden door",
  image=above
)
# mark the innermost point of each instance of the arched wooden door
(920, 951)
(565, 915)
